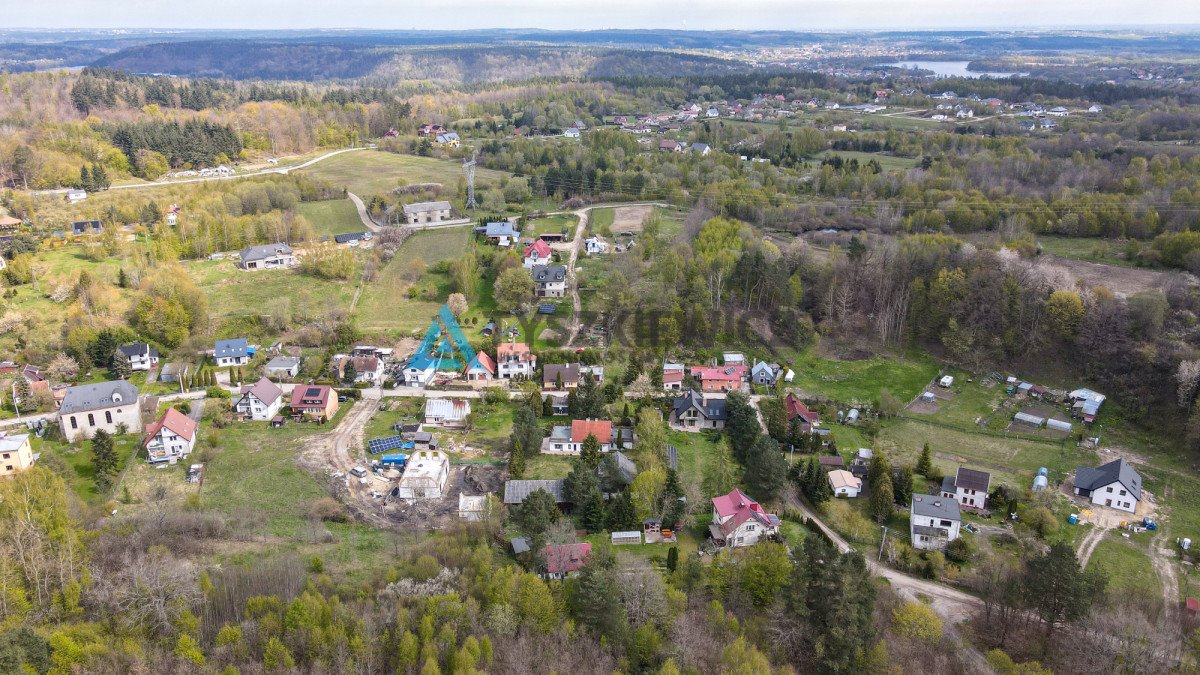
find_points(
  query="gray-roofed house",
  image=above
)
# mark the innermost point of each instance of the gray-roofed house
(515, 491)
(559, 376)
(933, 522)
(348, 237)
(426, 212)
(1115, 485)
(765, 373)
(283, 366)
(101, 405)
(968, 487)
(235, 352)
(141, 356)
(693, 412)
(267, 256)
(550, 281)
(260, 401)
(501, 234)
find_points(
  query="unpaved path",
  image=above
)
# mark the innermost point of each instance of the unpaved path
(336, 451)
(1122, 281)
(363, 214)
(1087, 545)
(1162, 557)
(572, 280)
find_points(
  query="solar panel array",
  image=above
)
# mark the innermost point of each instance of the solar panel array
(379, 445)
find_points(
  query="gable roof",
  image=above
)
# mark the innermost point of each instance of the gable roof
(264, 251)
(81, 226)
(1116, 471)
(504, 229)
(235, 348)
(349, 236)
(264, 390)
(840, 478)
(176, 422)
(796, 408)
(482, 360)
(831, 460)
(545, 274)
(425, 207)
(138, 349)
(448, 408)
(712, 409)
(562, 558)
(311, 396)
(935, 507)
(569, 371)
(970, 479)
(731, 373)
(518, 349)
(581, 429)
(739, 508)
(540, 247)
(98, 396)
(283, 362)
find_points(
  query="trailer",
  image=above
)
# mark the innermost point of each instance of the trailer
(397, 460)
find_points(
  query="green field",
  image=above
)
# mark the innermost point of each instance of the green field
(1090, 249)
(887, 162)
(860, 381)
(233, 292)
(330, 217)
(385, 304)
(600, 220)
(82, 477)
(1126, 563)
(372, 173)
(553, 225)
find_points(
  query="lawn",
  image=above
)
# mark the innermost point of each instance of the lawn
(1126, 563)
(860, 380)
(886, 162)
(82, 477)
(330, 217)
(547, 467)
(372, 173)
(232, 292)
(553, 225)
(601, 220)
(1090, 249)
(385, 304)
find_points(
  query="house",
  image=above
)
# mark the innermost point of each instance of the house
(701, 149)
(933, 522)
(235, 352)
(560, 376)
(571, 133)
(283, 367)
(500, 234)
(368, 369)
(968, 487)
(766, 374)
(537, 254)
(671, 146)
(267, 257)
(1095, 110)
(513, 359)
(564, 440)
(712, 112)
(171, 438)
(421, 213)
(1086, 403)
(844, 483)
(673, 376)
(562, 560)
(1058, 111)
(82, 227)
(76, 196)
(481, 369)
(259, 401)
(140, 355)
(351, 238)
(594, 246)
(172, 371)
(721, 379)
(738, 520)
(425, 476)
(1115, 485)
(559, 405)
(87, 408)
(795, 408)
(515, 491)
(430, 130)
(550, 281)
(861, 462)
(448, 139)
(733, 359)
(317, 401)
(447, 412)
(692, 412)
(16, 454)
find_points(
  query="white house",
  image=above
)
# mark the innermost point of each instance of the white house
(368, 369)
(738, 520)
(260, 401)
(537, 254)
(267, 256)
(1115, 485)
(88, 408)
(1058, 111)
(595, 246)
(550, 281)
(571, 133)
(235, 352)
(171, 438)
(426, 212)
(283, 367)
(933, 522)
(425, 476)
(447, 412)
(569, 440)
(968, 487)
(481, 368)
(513, 359)
(844, 483)
(140, 355)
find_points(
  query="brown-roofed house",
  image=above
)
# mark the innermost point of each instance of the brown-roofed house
(171, 437)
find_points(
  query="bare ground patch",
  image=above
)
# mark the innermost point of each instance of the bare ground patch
(1123, 281)
(630, 218)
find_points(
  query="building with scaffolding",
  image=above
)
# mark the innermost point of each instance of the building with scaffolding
(444, 350)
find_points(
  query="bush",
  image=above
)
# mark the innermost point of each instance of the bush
(917, 621)
(328, 509)
(960, 550)
(216, 392)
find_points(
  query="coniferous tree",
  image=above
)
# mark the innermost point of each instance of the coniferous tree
(766, 469)
(85, 179)
(590, 452)
(104, 458)
(925, 463)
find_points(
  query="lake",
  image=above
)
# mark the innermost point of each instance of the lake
(948, 68)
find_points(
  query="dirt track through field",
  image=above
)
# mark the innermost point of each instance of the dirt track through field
(1087, 546)
(1162, 557)
(630, 218)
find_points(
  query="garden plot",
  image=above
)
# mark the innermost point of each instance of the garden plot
(630, 218)
(931, 400)
(1038, 419)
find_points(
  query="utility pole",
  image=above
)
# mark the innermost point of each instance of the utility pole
(469, 169)
(881, 543)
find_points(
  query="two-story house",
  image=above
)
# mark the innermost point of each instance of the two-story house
(267, 256)
(314, 400)
(1115, 485)
(569, 440)
(235, 352)
(171, 438)
(933, 522)
(537, 254)
(140, 355)
(110, 406)
(693, 412)
(16, 454)
(968, 487)
(260, 401)
(426, 212)
(808, 419)
(367, 369)
(549, 281)
(720, 379)
(481, 368)
(738, 520)
(513, 359)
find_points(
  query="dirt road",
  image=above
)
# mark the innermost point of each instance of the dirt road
(363, 215)
(335, 452)
(573, 281)
(1088, 544)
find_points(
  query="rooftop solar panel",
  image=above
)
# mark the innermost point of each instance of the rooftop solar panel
(312, 392)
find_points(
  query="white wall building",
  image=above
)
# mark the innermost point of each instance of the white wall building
(934, 522)
(425, 476)
(102, 405)
(260, 401)
(171, 438)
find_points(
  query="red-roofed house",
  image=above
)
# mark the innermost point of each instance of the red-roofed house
(481, 369)
(171, 438)
(601, 429)
(564, 559)
(569, 440)
(513, 359)
(537, 253)
(720, 378)
(314, 400)
(797, 409)
(673, 374)
(738, 520)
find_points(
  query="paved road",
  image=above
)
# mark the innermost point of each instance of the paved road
(363, 214)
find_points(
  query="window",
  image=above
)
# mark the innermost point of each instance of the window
(946, 523)
(74, 424)
(1122, 493)
(8, 468)
(91, 420)
(7, 455)
(1108, 489)
(108, 416)
(750, 528)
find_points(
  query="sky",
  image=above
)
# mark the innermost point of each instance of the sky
(598, 14)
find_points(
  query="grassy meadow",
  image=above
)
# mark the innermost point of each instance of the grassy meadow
(372, 173)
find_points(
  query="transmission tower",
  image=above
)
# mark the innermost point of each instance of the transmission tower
(469, 169)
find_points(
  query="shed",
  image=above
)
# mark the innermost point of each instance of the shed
(1058, 425)
(1193, 606)
(627, 537)
(520, 545)
(946, 381)
(1032, 420)
(928, 397)
(852, 416)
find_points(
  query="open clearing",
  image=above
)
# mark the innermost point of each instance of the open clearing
(1123, 281)
(330, 217)
(234, 292)
(371, 173)
(886, 162)
(630, 218)
(385, 304)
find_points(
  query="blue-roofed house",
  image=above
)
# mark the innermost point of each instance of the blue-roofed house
(235, 352)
